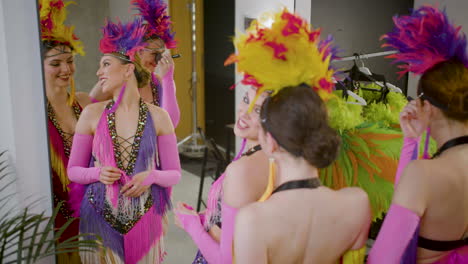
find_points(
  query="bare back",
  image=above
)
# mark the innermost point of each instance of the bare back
(312, 225)
(446, 214)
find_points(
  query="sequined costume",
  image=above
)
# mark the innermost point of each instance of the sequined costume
(60, 144)
(131, 228)
(213, 215)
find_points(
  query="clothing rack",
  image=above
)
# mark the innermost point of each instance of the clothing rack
(366, 56)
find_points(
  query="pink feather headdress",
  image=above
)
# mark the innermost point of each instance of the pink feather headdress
(154, 12)
(123, 39)
(424, 39)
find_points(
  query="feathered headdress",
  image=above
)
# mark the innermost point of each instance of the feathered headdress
(52, 17)
(424, 39)
(154, 12)
(52, 14)
(286, 54)
(122, 40)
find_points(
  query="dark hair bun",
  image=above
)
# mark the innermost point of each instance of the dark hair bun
(296, 117)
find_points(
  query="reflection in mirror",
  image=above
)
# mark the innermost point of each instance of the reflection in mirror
(64, 106)
(129, 178)
(136, 63)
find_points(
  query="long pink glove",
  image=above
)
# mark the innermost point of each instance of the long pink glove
(397, 239)
(80, 156)
(170, 172)
(213, 252)
(409, 152)
(169, 99)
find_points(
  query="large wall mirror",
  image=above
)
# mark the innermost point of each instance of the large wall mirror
(356, 27)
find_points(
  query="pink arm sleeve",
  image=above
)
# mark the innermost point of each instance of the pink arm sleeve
(213, 252)
(78, 170)
(170, 172)
(396, 239)
(169, 99)
(409, 152)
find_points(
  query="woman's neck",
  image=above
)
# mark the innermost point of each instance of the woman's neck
(130, 98)
(445, 130)
(251, 143)
(290, 168)
(56, 95)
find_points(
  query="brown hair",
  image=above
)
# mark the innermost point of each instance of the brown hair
(142, 75)
(49, 45)
(446, 86)
(296, 117)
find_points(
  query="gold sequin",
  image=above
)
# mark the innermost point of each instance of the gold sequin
(67, 138)
(143, 113)
(154, 89)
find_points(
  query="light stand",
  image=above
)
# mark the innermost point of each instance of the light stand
(190, 145)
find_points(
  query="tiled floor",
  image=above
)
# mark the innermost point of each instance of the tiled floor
(179, 246)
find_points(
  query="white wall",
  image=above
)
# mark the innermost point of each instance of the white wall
(88, 17)
(456, 11)
(22, 104)
(7, 135)
(23, 94)
(252, 9)
(303, 8)
(120, 9)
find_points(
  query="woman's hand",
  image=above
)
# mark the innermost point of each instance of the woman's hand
(136, 186)
(413, 120)
(166, 64)
(109, 175)
(180, 210)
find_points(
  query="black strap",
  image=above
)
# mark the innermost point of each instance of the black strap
(311, 183)
(436, 245)
(451, 143)
(252, 150)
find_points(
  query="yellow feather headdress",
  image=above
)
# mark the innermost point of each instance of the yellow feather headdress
(52, 17)
(52, 14)
(285, 54)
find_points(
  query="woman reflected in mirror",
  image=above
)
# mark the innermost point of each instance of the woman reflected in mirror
(155, 57)
(245, 181)
(428, 219)
(64, 107)
(127, 159)
(301, 221)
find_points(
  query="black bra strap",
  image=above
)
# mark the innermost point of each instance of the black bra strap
(299, 184)
(441, 245)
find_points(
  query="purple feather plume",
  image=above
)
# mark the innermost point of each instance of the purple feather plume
(326, 46)
(424, 39)
(121, 38)
(155, 13)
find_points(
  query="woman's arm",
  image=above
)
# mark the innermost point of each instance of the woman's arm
(97, 95)
(169, 98)
(83, 99)
(397, 239)
(78, 170)
(170, 172)
(214, 252)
